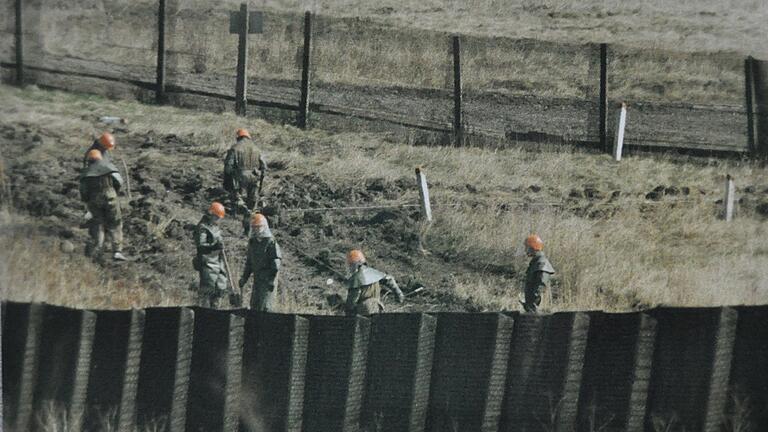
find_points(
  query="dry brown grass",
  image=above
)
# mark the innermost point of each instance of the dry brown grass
(33, 268)
(630, 253)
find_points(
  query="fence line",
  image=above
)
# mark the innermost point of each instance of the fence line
(754, 141)
(192, 368)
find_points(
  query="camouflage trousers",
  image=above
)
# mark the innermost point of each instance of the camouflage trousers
(107, 220)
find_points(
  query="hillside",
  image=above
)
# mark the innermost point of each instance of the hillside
(622, 236)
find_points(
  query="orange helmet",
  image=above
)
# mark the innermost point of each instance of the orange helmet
(355, 256)
(258, 220)
(217, 209)
(534, 242)
(107, 141)
(94, 155)
(242, 133)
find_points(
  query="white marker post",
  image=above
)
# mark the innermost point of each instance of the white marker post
(730, 197)
(618, 143)
(426, 207)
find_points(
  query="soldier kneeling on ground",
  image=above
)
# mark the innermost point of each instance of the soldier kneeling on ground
(263, 261)
(100, 183)
(538, 274)
(209, 260)
(364, 286)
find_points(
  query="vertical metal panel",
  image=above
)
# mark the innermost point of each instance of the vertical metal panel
(164, 371)
(22, 325)
(63, 365)
(616, 372)
(399, 368)
(274, 370)
(578, 326)
(471, 359)
(127, 414)
(109, 377)
(336, 367)
(215, 373)
(545, 371)
(682, 367)
(643, 368)
(749, 380)
(717, 399)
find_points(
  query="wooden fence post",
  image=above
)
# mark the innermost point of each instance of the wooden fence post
(426, 207)
(603, 103)
(730, 196)
(160, 89)
(458, 126)
(303, 115)
(241, 84)
(19, 44)
(618, 144)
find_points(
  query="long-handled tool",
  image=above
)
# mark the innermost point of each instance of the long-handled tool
(127, 179)
(237, 291)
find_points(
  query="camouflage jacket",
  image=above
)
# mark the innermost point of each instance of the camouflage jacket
(243, 158)
(100, 180)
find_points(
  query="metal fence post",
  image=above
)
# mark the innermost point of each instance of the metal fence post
(303, 115)
(458, 126)
(603, 103)
(19, 44)
(160, 89)
(241, 85)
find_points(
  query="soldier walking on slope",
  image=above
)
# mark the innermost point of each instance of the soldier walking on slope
(244, 170)
(100, 183)
(209, 260)
(538, 274)
(364, 286)
(263, 262)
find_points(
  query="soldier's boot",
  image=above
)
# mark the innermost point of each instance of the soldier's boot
(96, 231)
(532, 302)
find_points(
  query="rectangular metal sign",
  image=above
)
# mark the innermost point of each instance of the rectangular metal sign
(255, 22)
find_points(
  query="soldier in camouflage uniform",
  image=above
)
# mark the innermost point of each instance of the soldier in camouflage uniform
(538, 274)
(103, 145)
(364, 286)
(244, 168)
(263, 262)
(209, 260)
(100, 183)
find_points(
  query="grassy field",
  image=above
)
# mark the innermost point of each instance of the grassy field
(616, 244)
(702, 25)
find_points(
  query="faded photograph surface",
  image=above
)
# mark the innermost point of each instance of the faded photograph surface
(338, 215)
